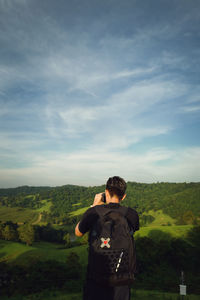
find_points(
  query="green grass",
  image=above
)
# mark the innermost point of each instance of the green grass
(160, 218)
(78, 212)
(76, 204)
(21, 254)
(9, 251)
(158, 295)
(22, 215)
(17, 214)
(135, 295)
(30, 196)
(178, 231)
(46, 205)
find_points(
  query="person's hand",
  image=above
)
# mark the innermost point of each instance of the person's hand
(98, 199)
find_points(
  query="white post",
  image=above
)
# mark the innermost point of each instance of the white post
(182, 286)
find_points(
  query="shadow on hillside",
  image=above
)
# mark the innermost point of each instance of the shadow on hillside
(2, 255)
(157, 235)
(193, 236)
(30, 257)
(33, 272)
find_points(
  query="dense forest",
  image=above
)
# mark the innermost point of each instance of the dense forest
(178, 200)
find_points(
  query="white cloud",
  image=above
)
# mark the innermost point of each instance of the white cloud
(105, 91)
(90, 168)
(117, 116)
(7, 5)
(191, 109)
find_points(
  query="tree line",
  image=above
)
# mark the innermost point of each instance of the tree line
(178, 200)
(29, 234)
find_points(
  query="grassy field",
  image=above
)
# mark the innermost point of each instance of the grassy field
(46, 205)
(21, 254)
(78, 212)
(22, 215)
(17, 214)
(76, 204)
(160, 218)
(135, 295)
(178, 231)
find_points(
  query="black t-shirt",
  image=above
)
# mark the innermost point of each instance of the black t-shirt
(90, 217)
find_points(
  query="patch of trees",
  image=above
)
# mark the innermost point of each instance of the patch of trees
(28, 201)
(10, 231)
(28, 234)
(146, 220)
(24, 190)
(65, 198)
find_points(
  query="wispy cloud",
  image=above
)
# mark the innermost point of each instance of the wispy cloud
(191, 108)
(98, 166)
(80, 89)
(116, 117)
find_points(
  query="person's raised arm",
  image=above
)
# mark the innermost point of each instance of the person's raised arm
(88, 218)
(77, 231)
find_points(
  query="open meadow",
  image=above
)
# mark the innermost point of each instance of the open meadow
(18, 214)
(21, 254)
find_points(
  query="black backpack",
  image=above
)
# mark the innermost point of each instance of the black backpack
(112, 259)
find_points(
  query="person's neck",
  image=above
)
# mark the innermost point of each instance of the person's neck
(113, 200)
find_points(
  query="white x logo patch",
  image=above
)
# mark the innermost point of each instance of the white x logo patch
(105, 243)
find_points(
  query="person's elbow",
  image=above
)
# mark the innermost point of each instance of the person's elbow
(77, 231)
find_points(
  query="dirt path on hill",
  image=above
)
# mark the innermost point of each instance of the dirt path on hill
(38, 220)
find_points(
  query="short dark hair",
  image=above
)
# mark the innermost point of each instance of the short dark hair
(116, 186)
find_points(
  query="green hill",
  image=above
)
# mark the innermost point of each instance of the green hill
(45, 205)
(165, 243)
(17, 214)
(20, 253)
(179, 201)
(78, 212)
(159, 218)
(178, 231)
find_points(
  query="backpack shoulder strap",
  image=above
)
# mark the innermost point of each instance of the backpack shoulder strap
(124, 210)
(102, 210)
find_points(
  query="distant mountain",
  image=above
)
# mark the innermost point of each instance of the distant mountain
(23, 190)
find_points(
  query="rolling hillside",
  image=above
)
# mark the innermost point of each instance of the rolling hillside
(51, 214)
(177, 203)
(17, 214)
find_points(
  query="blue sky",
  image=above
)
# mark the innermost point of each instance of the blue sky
(91, 89)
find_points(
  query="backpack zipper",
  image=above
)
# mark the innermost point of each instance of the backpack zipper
(119, 261)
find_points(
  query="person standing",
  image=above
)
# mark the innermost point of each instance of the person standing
(112, 258)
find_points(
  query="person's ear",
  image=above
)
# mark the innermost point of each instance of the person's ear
(123, 197)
